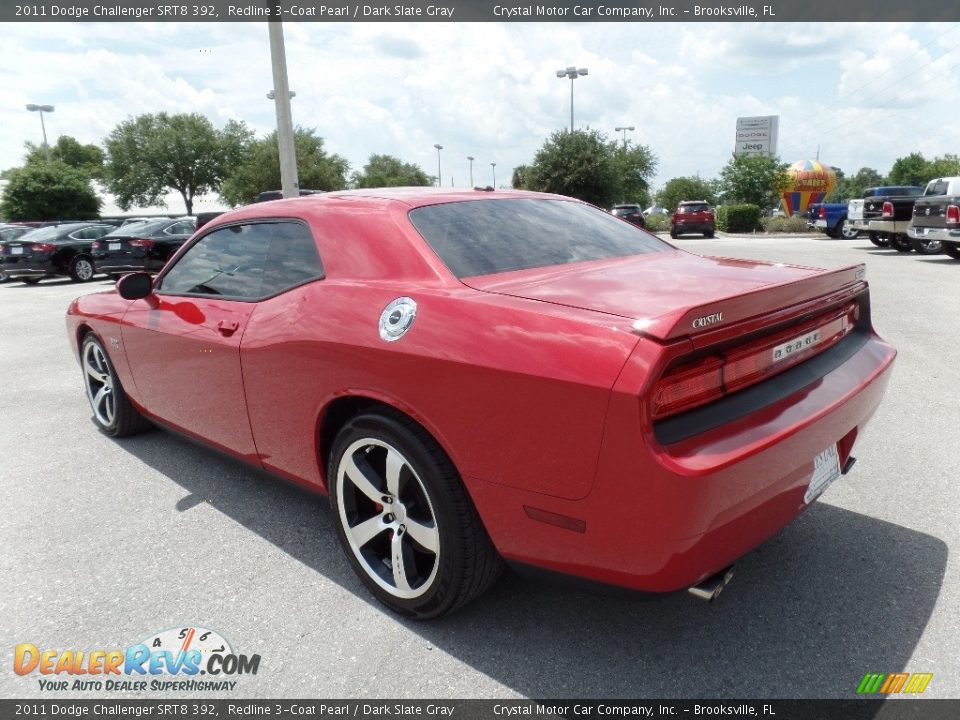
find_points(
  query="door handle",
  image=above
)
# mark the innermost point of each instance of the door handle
(227, 327)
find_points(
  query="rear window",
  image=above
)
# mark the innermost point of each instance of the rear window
(143, 227)
(699, 207)
(482, 237)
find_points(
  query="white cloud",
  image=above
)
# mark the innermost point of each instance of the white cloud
(490, 90)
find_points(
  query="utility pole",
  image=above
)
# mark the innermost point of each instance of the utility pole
(289, 183)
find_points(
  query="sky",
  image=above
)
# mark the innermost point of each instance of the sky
(861, 95)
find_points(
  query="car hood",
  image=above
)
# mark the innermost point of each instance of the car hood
(666, 293)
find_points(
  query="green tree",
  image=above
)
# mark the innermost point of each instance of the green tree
(634, 166)
(260, 168)
(518, 180)
(49, 191)
(913, 169)
(679, 189)
(753, 179)
(578, 164)
(68, 150)
(151, 154)
(388, 171)
(853, 186)
(945, 166)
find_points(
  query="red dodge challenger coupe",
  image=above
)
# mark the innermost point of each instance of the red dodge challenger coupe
(478, 376)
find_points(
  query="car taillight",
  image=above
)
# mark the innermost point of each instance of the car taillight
(96, 244)
(44, 247)
(822, 213)
(693, 384)
(887, 209)
(141, 243)
(953, 215)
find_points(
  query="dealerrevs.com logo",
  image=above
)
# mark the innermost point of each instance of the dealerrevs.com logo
(180, 659)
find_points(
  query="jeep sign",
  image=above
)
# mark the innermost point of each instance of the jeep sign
(757, 135)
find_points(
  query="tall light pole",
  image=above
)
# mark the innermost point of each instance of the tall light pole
(439, 178)
(631, 128)
(470, 158)
(493, 167)
(42, 109)
(573, 73)
(281, 95)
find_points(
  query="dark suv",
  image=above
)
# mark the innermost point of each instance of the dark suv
(630, 213)
(693, 216)
(55, 250)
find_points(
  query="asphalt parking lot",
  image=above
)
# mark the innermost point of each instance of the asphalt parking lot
(104, 543)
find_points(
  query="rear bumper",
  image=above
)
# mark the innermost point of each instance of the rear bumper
(681, 228)
(883, 227)
(664, 517)
(929, 233)
(16, 267)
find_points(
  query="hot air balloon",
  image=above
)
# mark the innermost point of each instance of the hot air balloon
(810, 182)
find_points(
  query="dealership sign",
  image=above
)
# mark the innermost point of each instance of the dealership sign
(757, 135)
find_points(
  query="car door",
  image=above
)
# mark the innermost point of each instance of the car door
(183, 341)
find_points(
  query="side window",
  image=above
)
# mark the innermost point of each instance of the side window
(293, 258)
(180, 228)
(246, 261)
(91, 233)
(229, 261)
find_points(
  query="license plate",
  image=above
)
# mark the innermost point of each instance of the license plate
(826, 469)
(113, 246)
(16, 251)
(792, 347)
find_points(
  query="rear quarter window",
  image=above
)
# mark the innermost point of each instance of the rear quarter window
(482, 237)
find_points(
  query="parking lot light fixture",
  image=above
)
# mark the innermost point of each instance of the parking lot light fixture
(439, 178)
(42, 109)
(573, 73)
(624, 129)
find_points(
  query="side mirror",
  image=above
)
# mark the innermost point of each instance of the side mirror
(135, 286)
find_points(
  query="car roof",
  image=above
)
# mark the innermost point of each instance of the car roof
(382, 198)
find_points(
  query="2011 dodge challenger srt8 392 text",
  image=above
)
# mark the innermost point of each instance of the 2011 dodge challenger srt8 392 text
(478, 376)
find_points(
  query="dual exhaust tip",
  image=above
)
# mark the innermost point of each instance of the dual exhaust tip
(710, 588)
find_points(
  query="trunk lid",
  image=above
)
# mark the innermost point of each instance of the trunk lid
(677, 294)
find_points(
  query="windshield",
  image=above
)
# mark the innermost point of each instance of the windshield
(480, 237)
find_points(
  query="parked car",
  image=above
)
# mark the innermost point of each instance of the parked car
(62, 249)
(936, 217)
(631, 213)
(10, 231)
(693, 216)
(141, 246)
(887, 217)
(477, 376)
(831, 218)
(855, 209)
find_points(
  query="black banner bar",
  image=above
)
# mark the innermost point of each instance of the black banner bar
(899, 709)
(637, 11)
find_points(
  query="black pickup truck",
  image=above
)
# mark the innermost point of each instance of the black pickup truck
(886, 218)
(936, 216)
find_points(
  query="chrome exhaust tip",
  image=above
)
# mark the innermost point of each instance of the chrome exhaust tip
(710, 588)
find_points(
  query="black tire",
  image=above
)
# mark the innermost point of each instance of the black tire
(673, 233)
(30, 280)
(81, 269)
(901, 243)
(428, 494)
(708, 235)
(112, 412)
(952, 250)
(845, 231)
(926, 247)
(878, 241)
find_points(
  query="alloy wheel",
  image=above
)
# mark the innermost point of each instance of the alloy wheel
(388, 518)
(99, 384)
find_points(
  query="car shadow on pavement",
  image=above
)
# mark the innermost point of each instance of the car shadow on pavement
(835, 595)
